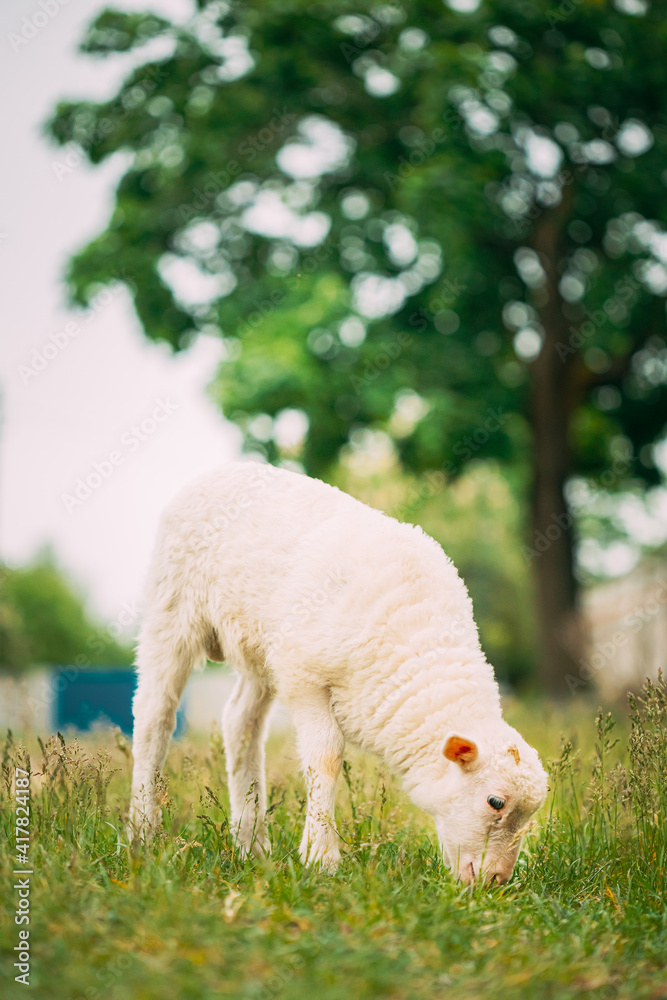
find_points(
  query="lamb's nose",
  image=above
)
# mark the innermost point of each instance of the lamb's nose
(498, 878)
(467, 873)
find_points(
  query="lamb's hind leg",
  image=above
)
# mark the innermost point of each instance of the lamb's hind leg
(244, 728)
(321, 745)
(163, 668)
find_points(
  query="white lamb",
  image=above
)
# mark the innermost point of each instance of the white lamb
(362, 626)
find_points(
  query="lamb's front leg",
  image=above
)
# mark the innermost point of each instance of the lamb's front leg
(321, 744)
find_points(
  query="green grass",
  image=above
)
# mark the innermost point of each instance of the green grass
(584, 915)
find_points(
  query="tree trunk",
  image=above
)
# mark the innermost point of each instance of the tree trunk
(551, 552)
(552, 543)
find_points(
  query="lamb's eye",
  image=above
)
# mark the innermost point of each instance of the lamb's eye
(495, 802)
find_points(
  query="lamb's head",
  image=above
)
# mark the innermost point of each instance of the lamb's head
(492, 785)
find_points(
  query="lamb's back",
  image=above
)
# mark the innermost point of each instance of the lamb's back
(241, 531)
(302, 568)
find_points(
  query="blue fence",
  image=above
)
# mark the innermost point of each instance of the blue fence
(94, 696)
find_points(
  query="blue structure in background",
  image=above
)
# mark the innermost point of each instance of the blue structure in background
(83, 698)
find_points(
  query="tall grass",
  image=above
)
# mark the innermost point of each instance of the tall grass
(585, 913)
(606, 832)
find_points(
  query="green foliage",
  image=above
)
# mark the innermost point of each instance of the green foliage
(440, 119)
(584, 914)
(117, 31)
(44, 620)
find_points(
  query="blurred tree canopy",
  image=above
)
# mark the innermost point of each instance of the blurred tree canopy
(438, 224)
(43, 620)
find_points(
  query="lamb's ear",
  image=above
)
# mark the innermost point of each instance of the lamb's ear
(460, 750)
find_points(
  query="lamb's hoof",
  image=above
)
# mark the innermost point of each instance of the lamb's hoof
(255, 843)
(320, 850)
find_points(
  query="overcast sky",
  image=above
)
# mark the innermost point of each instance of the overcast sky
(108, 389)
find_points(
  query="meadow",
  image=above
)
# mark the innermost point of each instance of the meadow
(584, 915)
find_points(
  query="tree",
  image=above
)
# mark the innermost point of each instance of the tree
(44, 620)
(447, 226)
